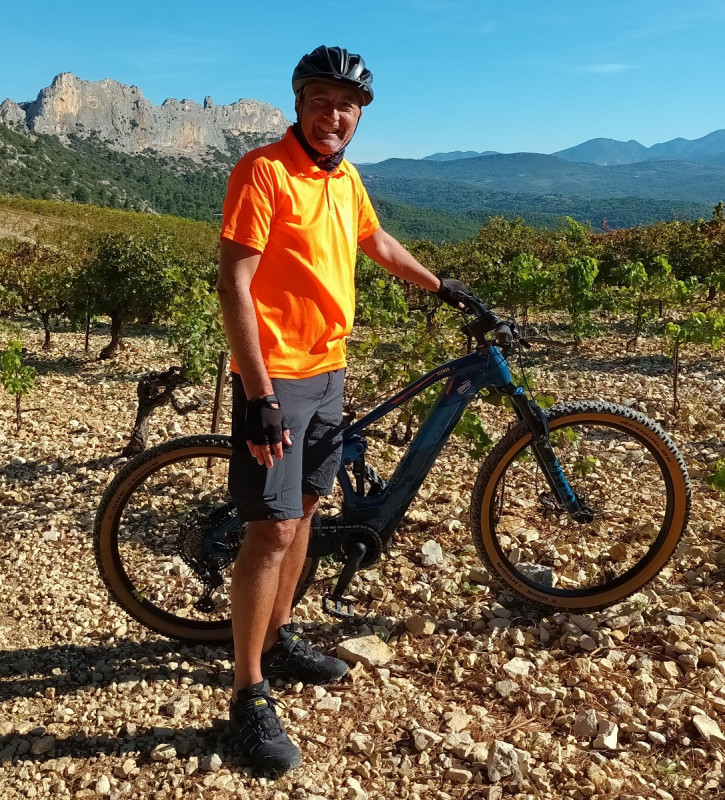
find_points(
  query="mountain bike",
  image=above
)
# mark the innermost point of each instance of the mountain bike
(575, 508)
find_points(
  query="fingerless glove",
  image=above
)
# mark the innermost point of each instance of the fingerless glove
(264, 424)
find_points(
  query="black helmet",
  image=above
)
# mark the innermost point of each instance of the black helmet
(334, 64)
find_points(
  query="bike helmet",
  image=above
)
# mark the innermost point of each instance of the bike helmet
(334, 64)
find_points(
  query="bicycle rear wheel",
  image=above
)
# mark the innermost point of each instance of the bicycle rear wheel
(621, 465)
(166, 530)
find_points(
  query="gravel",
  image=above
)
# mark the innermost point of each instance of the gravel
(463, 693)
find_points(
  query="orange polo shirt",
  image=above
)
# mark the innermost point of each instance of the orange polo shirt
(306, 223)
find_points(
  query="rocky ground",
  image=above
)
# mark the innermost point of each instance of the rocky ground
(470, 694)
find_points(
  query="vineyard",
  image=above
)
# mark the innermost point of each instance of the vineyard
(98, 306)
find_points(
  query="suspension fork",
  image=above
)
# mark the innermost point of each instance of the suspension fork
(535, 419)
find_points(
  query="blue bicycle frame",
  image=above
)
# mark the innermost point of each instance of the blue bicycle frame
(370, 518)
(486, 367)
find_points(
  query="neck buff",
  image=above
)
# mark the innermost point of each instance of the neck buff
(327, 162)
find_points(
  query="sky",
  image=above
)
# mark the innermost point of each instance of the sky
(448, 74)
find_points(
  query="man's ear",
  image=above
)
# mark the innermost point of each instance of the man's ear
(298, 100)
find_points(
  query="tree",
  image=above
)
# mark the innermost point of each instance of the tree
(42, 278)
(580, 300)
(196, 331)
(17, 378)
(129, 277)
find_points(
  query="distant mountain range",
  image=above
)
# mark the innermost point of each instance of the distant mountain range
(708, 149)
(104, 143)
(456, 154)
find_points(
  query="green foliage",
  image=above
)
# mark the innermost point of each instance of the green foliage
(130, 277)
(717, 478)
(699, 328)
(39, 279)
(196, 330)
(380, 300)
(471, 429)
(579, 298)
(17, 378)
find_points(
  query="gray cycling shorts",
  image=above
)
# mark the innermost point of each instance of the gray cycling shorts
(313, 410)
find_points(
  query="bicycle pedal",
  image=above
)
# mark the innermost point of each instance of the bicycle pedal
(338, 607)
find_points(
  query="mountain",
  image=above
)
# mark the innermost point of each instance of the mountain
(605, 152)
(457, 154)
(536, 174)
(531, 183)
(121, 116)
(104, 143)
(708, 149)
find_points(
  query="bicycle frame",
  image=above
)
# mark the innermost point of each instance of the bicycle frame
(485, 367)
(466, 376)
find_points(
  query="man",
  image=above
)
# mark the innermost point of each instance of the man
(294, 215)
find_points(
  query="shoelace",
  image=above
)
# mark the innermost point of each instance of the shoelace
(305, 650)
(264, 719)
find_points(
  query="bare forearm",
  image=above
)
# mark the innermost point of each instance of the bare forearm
(236, 270)
(389, 253)
(240, 324)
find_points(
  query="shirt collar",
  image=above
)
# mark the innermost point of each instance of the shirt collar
(303, 163)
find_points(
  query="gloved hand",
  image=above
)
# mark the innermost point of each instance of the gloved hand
(452, 291)
(264, 424)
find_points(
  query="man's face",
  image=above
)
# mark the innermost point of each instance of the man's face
(328, 114)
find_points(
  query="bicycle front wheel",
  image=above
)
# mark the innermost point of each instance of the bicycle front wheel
(623, 467)
(166, 530)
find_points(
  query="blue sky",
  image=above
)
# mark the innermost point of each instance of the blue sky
(448, 75)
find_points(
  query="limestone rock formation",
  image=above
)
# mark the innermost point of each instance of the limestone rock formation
(11, 113)
(122, 116)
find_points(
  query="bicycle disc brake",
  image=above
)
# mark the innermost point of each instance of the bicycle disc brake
(208, 543)
(553, 508)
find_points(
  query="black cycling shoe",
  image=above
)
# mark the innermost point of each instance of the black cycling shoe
(261, 740)
(292, 658)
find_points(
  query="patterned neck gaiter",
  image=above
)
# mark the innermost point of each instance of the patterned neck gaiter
(327, 162)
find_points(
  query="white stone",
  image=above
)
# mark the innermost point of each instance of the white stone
(506, 688)
(211, 763)
(163, 752)
(708, 729)
(586, 723)
(431, 553)
(505, 760)
(458, 775)
(423, 739)
(518, 667)
(456, 720)
(460, 744)
(362, 743)
(329, 703)
(103, 786)
(367, 650)
(608, 735)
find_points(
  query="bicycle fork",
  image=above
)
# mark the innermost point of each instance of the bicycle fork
(533, 415)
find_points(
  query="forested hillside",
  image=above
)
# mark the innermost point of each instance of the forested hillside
(440, 201)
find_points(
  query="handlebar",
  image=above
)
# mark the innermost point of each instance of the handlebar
(504, 332)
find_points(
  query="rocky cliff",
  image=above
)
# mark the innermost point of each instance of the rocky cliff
(122, 116)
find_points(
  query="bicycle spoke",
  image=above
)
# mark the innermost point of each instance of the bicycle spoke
(161, 530)
(614, 475)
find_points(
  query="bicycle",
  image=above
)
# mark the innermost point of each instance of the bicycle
(575, 508)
